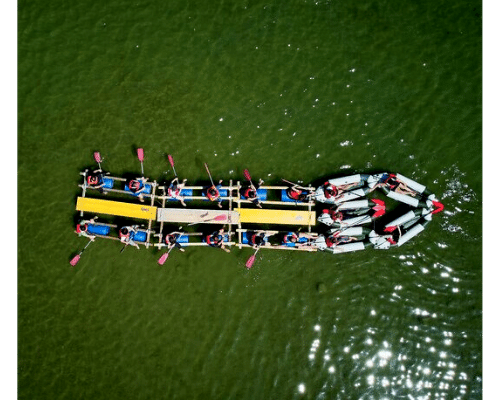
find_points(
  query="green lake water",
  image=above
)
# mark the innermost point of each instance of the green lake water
(294, 89)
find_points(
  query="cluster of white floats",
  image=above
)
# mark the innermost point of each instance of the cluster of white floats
(351, 212)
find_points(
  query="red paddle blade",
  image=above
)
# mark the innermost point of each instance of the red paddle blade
(390, 228)
(247, 175)
(379, 212)
(439, 207)
(75, 260)
(97, 156)
(250, 261)
(171, 160)
(140, 154)
(163, 258)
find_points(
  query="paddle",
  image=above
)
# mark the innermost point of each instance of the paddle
(211, 180)
(171, 161)
(247, 176)
(164, 257)
(251, 260)
(97, 158)
(221, 217)
(140, 156)
(294, 184)
(76, 258)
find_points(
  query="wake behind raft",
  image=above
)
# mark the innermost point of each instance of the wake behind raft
(341, 215)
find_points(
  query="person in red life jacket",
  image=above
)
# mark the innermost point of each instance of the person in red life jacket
(330, 190)
(95, 180)
(214, 195)
(175, 188)
(171, 240)
(216, 239)
(137, 186)
(82, 228)
(394, 236)
(250, 193)
(298, 193)
(126, 234)
(331, 217)
(392, 183)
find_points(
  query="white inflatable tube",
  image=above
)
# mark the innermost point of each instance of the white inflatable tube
(350, 195)
(353, 205)
(346, 248)
(411, 183)
(353, 231)
(345, 180)
(404, 218)
(403, 198)
(362, 219)
(410, 234)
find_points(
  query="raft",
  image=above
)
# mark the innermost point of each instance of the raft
(345, 213)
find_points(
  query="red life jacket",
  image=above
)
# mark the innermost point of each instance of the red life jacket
(330, 190)
(213, 196)
(249, 193)
(330, 241)
(170, 239)
(92, 180)
(294, 194)
(79, 228)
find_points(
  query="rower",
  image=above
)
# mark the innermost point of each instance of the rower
(391, 182)
(126, 235)
(258, 238)
(82, 228)
(95, 180)
(295, 192)
(293, 239)
(216, 239)
(336, 239)
(137, 187)
(171, 240)
(213, 194)
(250, 193)
(175, 188)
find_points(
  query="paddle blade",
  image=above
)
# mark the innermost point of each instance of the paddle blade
(97, 157)
(171, 160)
(439, 207)
(75, 260)
(140, 154)
(250, 261)
(247, 175)
(379, 212)
(163, 258)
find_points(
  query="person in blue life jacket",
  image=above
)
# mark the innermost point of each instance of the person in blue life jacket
(216, 239)
(213, 194)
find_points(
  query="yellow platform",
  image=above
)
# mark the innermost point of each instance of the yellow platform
(282, 217)
(100, 206)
